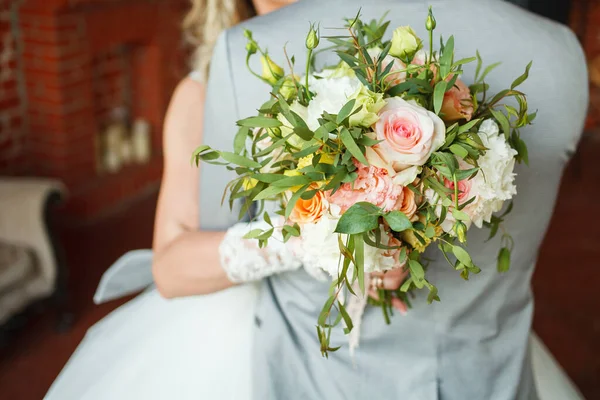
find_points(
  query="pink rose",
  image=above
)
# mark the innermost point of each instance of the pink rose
(373, 185)
(409, 134)
(458, 103)
(464, 189)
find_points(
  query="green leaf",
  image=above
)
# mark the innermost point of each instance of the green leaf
(346, 318)
(267, 218)
(430, 231)
(417, 273)
(463, 61)
(267, 178)
(307, 151)
(291, 181)
(239, 160)
(304, 133)
(447, 56)
(523, 77)
(503, 121)
(489, 69)
(345, 111)
(292, 230)
(464, 128)
(458, 150)
(460, 215)
(438, 96)
(269, 192)
(479, 65)
(462, 255)
(359, 218)
(465, 173)
(352, 147)
(503, 260)
(260, 122)
(253, 234)
(433, 294)
(239, 142)
(359, 260)
(322, 321)
(521, 148)
(398, 221)
(292, 202)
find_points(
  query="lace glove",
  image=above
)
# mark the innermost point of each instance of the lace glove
(243, 261)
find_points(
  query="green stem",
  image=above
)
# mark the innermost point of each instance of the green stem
(252, 72)
(430, 57)
(308, 62)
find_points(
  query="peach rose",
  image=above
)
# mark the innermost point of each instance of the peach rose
(458, 103)
(406, 203)
(408, 132)
(373, 185)
(309, 211)
(397, 72)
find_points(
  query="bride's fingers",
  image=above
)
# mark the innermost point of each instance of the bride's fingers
(399, 305)
(391, 280)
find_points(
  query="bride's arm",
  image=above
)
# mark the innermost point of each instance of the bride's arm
(186, 260)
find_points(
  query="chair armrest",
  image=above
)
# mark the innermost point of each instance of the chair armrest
(23, 203)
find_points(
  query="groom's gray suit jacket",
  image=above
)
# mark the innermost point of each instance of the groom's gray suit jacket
(473, 344)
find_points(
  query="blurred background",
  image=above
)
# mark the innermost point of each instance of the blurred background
(84, 86)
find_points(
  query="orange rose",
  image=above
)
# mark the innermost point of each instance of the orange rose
(406, 203)
(457, 103)
(309, 211)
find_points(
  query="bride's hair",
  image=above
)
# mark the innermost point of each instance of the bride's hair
(206, 20)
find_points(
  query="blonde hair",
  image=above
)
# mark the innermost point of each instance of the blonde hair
(206, 20)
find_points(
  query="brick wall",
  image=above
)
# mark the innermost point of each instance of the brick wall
(13, 158)
(585, 21)
(66, 64)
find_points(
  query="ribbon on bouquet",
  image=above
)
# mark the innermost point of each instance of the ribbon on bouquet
(356, 308)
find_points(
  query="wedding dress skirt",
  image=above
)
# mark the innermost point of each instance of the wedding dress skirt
(197, 348)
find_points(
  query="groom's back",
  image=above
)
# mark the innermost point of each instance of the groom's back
(485, 322)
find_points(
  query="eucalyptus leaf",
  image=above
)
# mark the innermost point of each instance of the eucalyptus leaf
(438, 96)
(239, 160)
(357, 219)
(259, 122)
(352, 147)
(398, 221)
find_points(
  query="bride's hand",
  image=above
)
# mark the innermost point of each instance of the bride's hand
(391, 280)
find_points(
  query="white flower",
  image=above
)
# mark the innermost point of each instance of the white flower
(491, 186)
(320, 248)
(331, 95)
(495, 180)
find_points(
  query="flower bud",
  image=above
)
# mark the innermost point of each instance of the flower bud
(288, 87)
(271, 72)
(461, 231)
(431, 23)
(248, 34)
(405, 43)
(251, 47)
(312, 40)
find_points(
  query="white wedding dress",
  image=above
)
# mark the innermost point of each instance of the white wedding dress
(193, 348)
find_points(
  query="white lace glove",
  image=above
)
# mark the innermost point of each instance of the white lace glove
(243, 261)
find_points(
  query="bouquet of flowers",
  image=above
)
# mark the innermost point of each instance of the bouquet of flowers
(377, 158)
